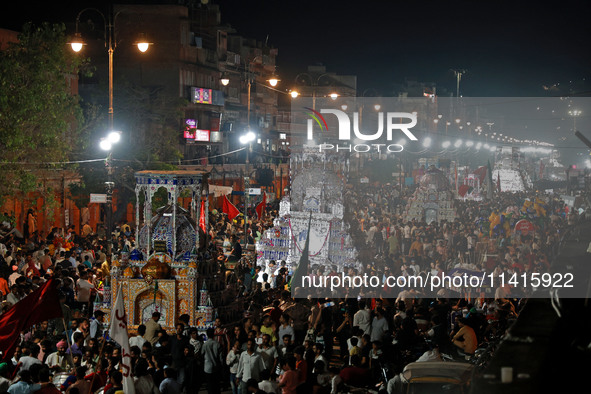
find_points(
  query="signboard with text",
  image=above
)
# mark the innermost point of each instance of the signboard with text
(98, 198)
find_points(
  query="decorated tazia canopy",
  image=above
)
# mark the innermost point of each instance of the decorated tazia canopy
(434, 178)
(172, 230)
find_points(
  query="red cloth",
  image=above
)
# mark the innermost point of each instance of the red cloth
(229, 208)
(42, 304)
(261, 207)
(202, 217)
(481, 173)
(463, 190)
(355, 376)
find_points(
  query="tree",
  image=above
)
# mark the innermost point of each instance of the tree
(39, 115)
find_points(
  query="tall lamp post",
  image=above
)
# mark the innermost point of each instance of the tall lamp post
(250, 77)
(574, 113)
(113, 136)
(314, 83)
(110, 43)
(247, 139)
(106, 144)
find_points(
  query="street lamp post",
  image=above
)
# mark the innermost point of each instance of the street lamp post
(247, 139)
(106, 144)
(110, 43)
(114, 136)
(574, 113)
(314, 84)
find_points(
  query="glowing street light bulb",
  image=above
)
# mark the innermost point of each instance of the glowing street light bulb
(458, 143)
(143, 46)
(114, 137)
(294, 94)
(427, 142)
(469, 143)
(446, 144)
(105, 144)
(334, 96)
(77, 43)
(478, 146)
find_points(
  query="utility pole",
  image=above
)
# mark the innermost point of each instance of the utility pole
(458, 74)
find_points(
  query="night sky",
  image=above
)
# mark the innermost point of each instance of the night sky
(509, 48)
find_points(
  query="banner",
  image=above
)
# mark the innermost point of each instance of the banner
(40, 305)
(119, 334)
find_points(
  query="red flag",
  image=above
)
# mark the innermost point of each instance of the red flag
(261, 207)
(463, 190)
(42, 304)
(499, 181)
(229, 209)
(480, 173)
(202, 217)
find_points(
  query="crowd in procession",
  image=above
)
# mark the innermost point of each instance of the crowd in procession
(295, 345)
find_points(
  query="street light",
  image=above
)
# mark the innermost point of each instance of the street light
(574, 113)
(106, 144)
(111, 43)
(247, 139)
(273, 81)
(314, 84)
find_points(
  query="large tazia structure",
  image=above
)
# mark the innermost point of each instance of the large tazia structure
(317, 186)
(171, 271)
(433, 200)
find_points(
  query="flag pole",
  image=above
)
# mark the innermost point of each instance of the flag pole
(71, 359)
(98, 363)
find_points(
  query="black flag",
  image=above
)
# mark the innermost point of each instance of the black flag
(304, 263)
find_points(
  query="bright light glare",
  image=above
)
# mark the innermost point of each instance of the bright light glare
(294, 94)
(492, 148)
(105, 144)
(446, 144)
(143, 46)
(469, 143)
(273, 81)
(427, 142)
(114, 137)
(479, 145)
(486, 146)
(248, 137)
(402, 142)
(458, 143)
(334, 96)
(76, 46)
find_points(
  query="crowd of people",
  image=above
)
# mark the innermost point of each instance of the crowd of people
(317, 345)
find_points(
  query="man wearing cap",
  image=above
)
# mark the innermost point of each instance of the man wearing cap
(59, 361)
